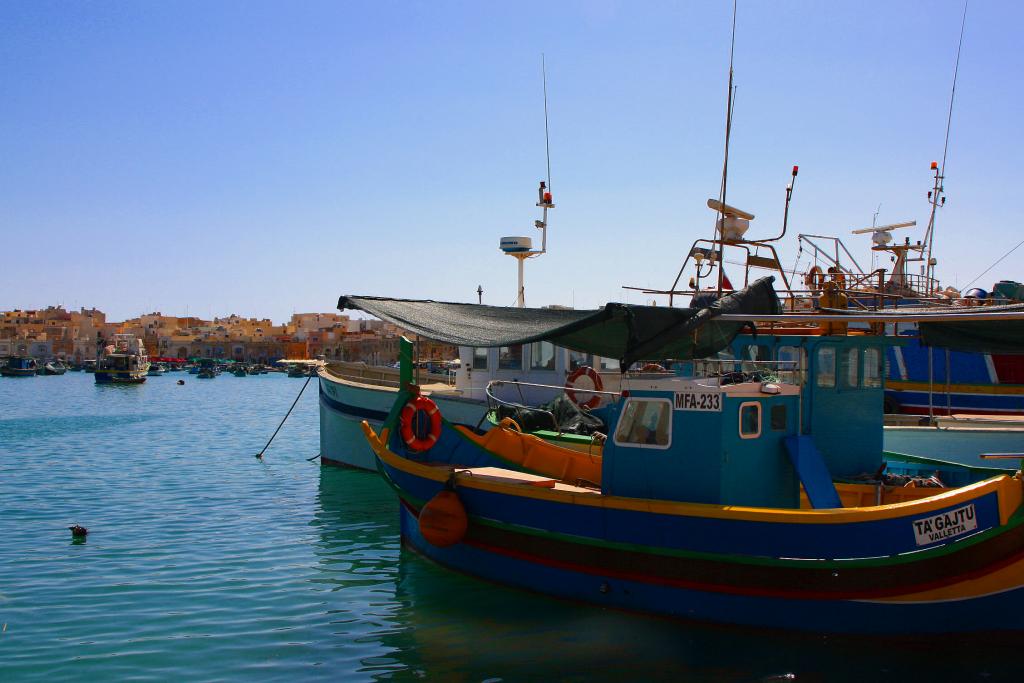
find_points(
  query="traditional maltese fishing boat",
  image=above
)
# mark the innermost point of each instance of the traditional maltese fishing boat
(730, 490)
(123, 361)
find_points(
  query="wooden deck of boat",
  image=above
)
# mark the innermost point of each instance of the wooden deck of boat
(498, 474)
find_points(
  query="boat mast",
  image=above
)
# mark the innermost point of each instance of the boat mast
(730, 97)
(937, 196)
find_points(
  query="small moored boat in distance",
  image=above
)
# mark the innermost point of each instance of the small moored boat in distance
(54, 367)
(301, 367)
(19, 366)
(206, 368)
(123, 361)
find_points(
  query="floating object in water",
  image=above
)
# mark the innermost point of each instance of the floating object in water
(443, 520)
(180, 382)
(78, 531)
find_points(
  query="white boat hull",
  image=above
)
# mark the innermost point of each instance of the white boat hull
(962, 445)
(345, 404)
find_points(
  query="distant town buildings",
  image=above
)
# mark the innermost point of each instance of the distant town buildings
(54, 332)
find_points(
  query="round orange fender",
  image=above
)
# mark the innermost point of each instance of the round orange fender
(443, 520)
(570, 386)
(410, 414)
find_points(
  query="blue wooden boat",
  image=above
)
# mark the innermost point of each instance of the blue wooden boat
(746, 495)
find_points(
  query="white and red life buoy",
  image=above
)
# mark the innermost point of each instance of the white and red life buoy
(570, 386)
(410, 414)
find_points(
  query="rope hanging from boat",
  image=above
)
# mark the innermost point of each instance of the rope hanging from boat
(259, 456)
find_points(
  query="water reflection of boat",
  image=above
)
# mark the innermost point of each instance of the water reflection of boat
(456, 627)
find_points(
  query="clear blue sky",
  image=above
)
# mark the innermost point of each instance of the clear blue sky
(263, 158)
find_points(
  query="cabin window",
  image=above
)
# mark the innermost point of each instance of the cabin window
(792, 362)
(578, 360)
(645, 422)
(608, 365)
(778, 418)
(851, 368)
(510, 357)
(542, 356)
(750, 420)
(479, 359)
(826, 370)
(872, 368)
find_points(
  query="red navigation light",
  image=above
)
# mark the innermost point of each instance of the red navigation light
(796, 169)
(935, 165)
(547, 197)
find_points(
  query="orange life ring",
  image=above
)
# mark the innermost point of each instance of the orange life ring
(570, 382)
(408, 416)
(653, 367)
(814, 278)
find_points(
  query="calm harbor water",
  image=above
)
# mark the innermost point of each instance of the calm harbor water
(203, 563)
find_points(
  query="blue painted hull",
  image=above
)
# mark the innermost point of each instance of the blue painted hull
(976, 382)
(861, 574)
(846, 616)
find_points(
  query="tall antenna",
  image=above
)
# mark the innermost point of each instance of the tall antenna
(547, 139)
(730, 96)
(937, 196)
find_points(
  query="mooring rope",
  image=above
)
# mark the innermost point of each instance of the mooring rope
(259, 456)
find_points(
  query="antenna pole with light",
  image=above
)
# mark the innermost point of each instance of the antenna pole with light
(521, 247)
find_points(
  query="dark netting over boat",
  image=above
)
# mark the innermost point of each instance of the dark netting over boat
(979, 336)
(982, 336)
(558, 415)
(623, 331)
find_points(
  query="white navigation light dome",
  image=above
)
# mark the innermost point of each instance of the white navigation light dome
(516, 245)
(733, 227)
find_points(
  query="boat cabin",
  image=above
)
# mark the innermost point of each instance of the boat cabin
(752, 426)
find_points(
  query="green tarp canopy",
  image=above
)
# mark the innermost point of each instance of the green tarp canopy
(1003, 336)
(623, 331)
(981, 336)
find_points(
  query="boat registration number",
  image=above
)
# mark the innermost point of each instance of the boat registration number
(948, 524)
(710, 401)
